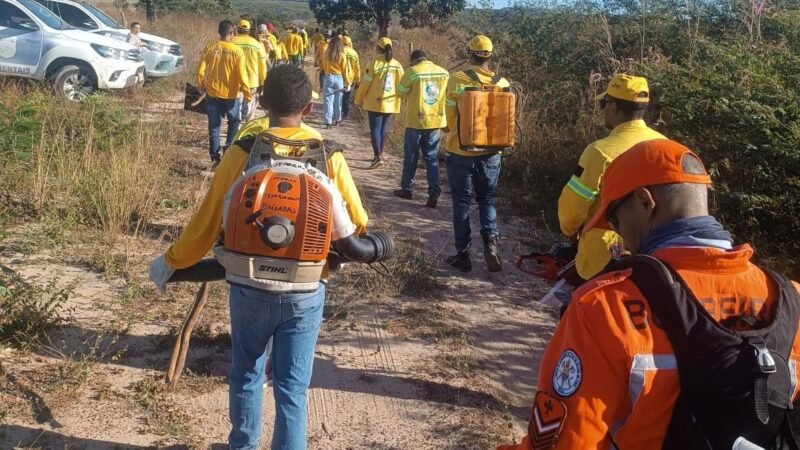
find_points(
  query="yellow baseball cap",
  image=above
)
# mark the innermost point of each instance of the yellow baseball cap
(244, 24)
(627, 87)
(480, 45)
(384, 42)
(347, 41)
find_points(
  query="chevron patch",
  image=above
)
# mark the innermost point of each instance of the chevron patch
(547, 420)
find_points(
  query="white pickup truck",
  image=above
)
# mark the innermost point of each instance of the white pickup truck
(35, 43)
(162, 57)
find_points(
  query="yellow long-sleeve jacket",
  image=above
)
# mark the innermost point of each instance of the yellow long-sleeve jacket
(455, 87)
(316, 38)
(319, 52)
(337, 66)
(205, 225)
(294, 44)
(378, 89)
(276, 46)
(353, 68)
(222, 71)
(579, 198)
(284, 53)
(255, 58)
(423, 87)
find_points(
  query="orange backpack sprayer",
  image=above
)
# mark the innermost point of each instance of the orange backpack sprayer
(486, 117)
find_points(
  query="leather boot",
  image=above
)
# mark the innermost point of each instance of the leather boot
(491, 253)
(460, 261)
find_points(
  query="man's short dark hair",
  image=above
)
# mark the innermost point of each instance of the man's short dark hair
(287, 90)
(133, 24)
(417, 55)
(226, 27)
(632, 110)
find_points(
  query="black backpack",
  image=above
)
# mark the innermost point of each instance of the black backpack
(736, 386)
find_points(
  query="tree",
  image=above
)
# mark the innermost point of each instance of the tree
(412, 12)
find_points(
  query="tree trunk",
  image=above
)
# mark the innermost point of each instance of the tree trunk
(151, 11)
(383, 19)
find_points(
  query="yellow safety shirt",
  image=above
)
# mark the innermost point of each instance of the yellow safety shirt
(336, 67)
(284, 53)
(276, 46)
(353, 68)
(316, 38)
(579, 198)
(205, 225)
(423, 87)
(455, 87)
(222, 71)
(378, 89)
(321, 47)
(294, 44)
(255, 57)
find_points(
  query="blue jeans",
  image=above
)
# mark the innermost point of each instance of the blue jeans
(427, 141)
(216, 109)
(332, 86)
(378, 127)
(465, 173)
(292, 320)
(346, 103)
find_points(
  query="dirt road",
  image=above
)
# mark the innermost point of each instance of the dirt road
(448, 363)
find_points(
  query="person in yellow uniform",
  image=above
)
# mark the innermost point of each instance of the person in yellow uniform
(316, 38)
(334, 65)
(320, 50)
(277, 50)
(304, 35)
(255, 58)
(354, 73)
(290, 319)
(294, 46)
(623, 104)
(471, 172)
(221, 75)
(423, 88)
(263, 36)
(377, 94)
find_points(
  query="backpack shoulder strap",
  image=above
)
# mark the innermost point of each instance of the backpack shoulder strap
(474, 76)
(496, 78)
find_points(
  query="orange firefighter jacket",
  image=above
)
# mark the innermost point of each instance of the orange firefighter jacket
(615, 371)
(222, 72)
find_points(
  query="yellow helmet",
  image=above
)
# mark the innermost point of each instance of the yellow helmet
(480, 45)
(384, 42)
(244, 24)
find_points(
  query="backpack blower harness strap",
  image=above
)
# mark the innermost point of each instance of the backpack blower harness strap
(736, 386)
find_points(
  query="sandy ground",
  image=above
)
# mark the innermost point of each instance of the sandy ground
(379, 382)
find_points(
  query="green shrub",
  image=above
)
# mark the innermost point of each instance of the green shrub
(27, 312)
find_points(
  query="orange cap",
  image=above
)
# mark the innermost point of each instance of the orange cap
(647, 163)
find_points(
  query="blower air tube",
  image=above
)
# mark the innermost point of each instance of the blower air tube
(370, 248)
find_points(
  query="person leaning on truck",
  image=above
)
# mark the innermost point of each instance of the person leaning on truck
(623, 104)
(221, 75)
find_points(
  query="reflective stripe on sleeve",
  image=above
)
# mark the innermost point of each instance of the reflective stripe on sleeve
(645, 363)
(793, 374)
(403, 89)
(581, 189)
(449, 102)
(366, 78)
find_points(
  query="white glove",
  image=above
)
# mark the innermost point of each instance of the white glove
(160, 272)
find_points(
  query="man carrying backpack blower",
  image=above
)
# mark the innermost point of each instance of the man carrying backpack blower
(684, 345)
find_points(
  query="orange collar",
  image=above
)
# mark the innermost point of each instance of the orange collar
(707, 259)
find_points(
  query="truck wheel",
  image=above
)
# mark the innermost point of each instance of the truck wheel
(74, 82)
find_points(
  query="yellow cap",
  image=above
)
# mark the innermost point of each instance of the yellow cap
(627, 87)
(480, 45)
(384, 42)
(244, 24)
(347, 41)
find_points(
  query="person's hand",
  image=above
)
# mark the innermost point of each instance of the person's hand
(160, 273)
(446, 129)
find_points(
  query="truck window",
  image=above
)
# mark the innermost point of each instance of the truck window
(100, 15)
(44, 14)
(74, 16)
(13, 17)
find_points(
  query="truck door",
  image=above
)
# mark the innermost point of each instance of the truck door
(20, 42)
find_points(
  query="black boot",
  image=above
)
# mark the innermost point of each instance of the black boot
(460, 261)
(491, 253)
(432, 201)
(402, 193)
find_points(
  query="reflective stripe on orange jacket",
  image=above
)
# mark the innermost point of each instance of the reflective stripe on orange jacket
(615, 371)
